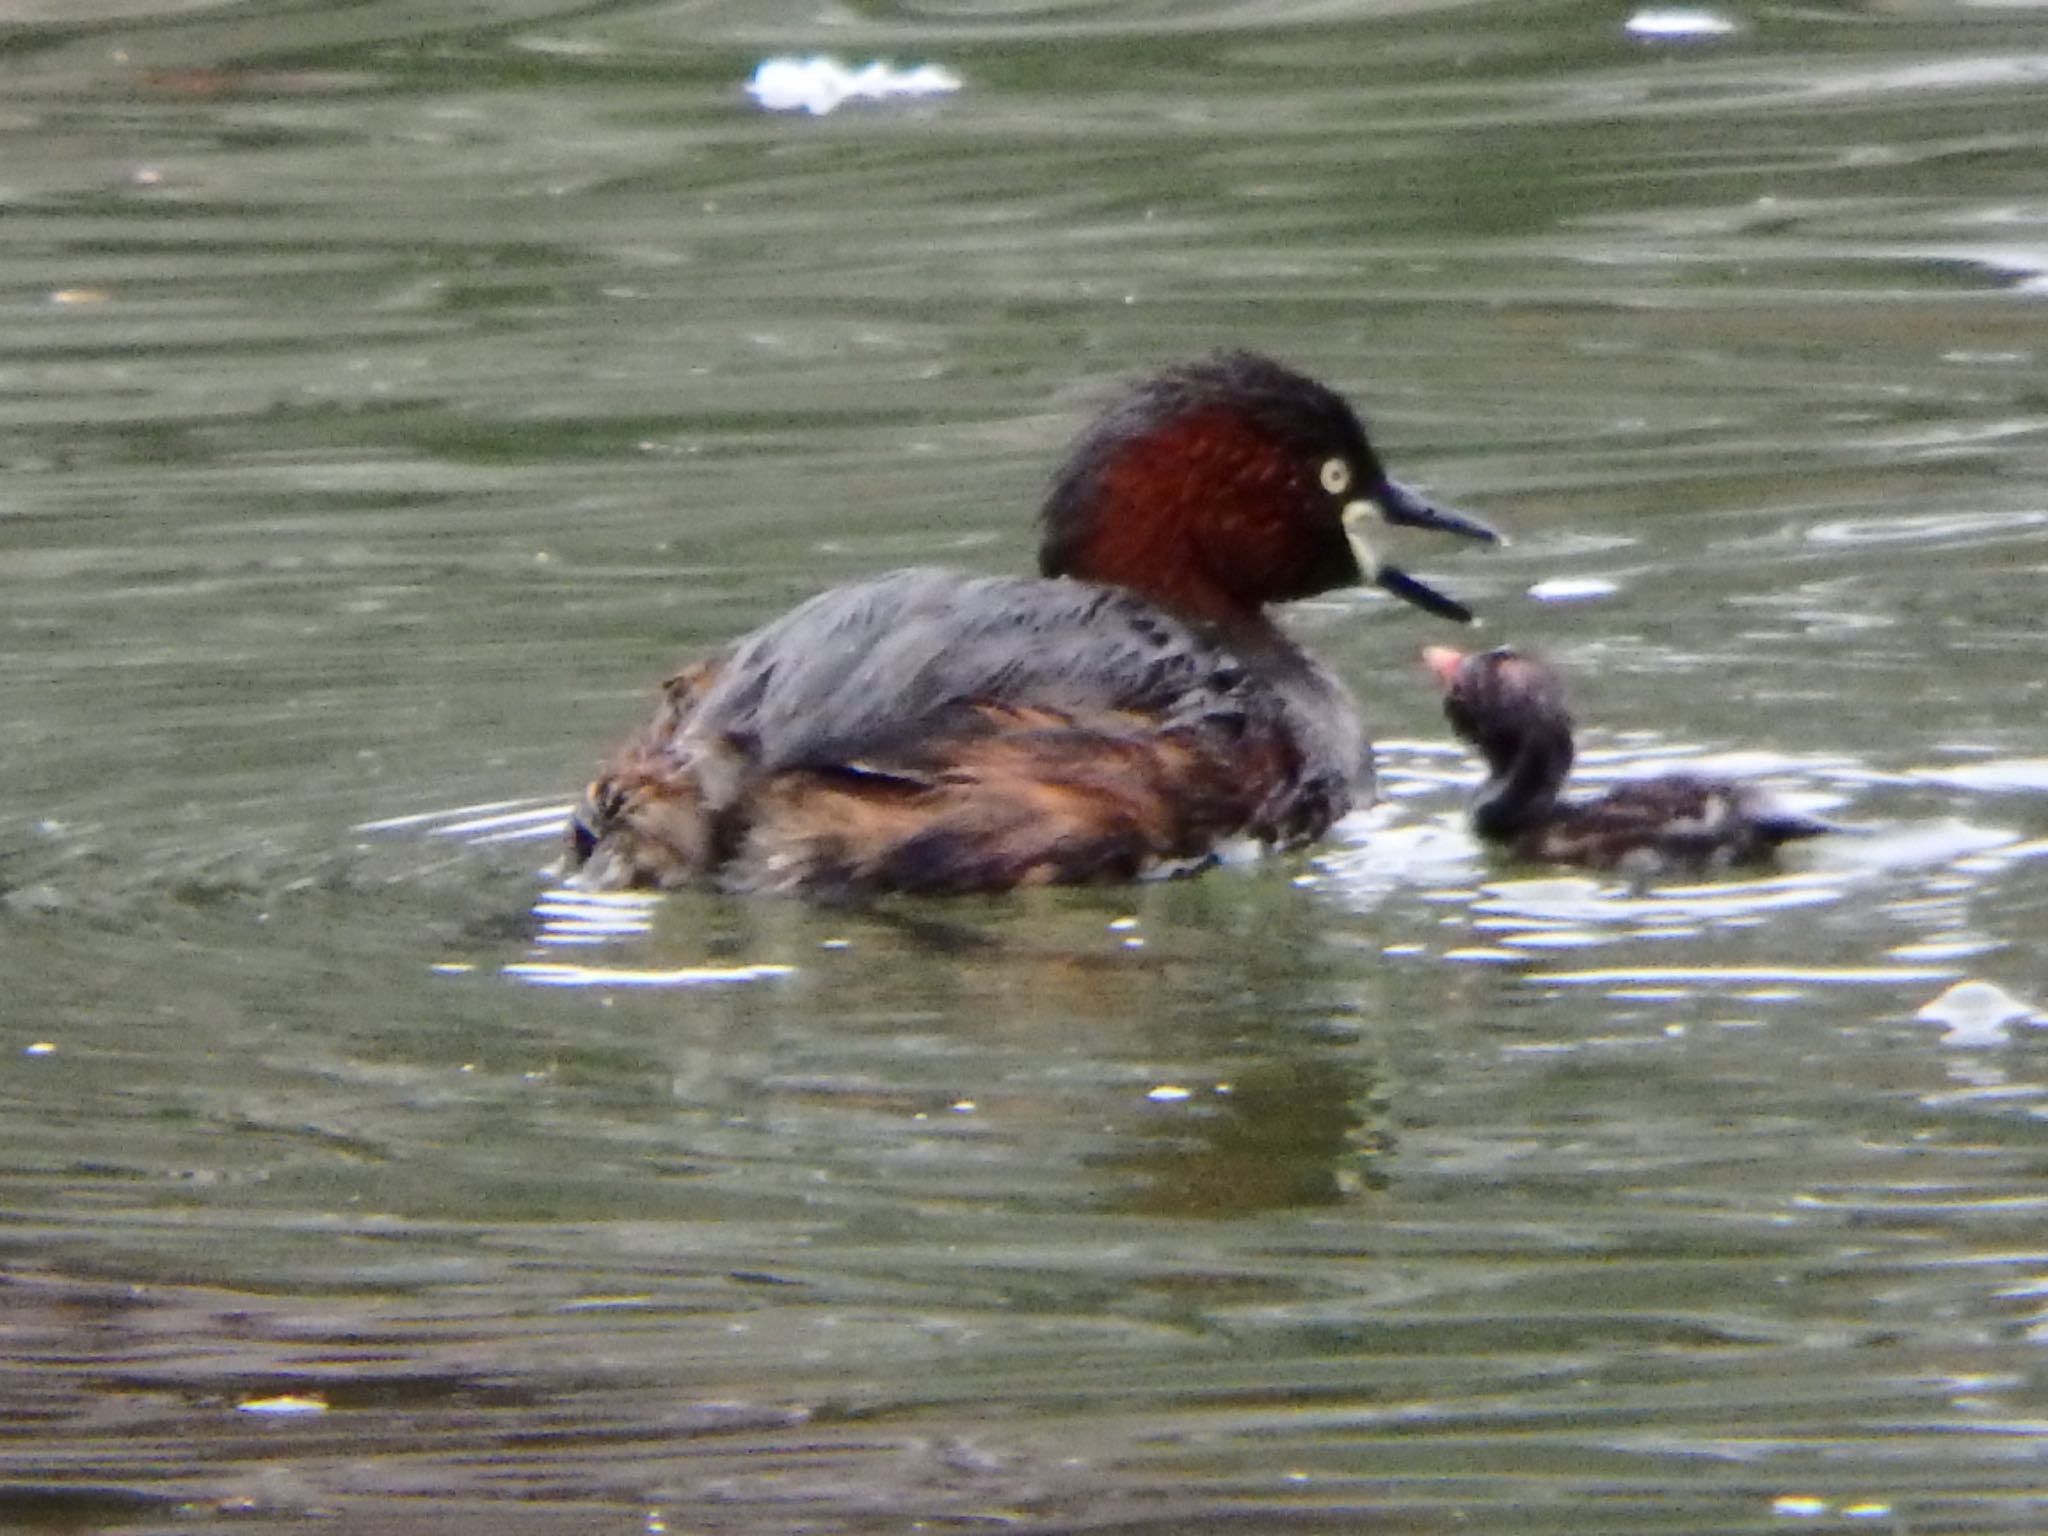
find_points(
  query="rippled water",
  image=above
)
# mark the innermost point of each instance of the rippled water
(390, 394)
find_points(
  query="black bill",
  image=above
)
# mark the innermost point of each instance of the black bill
(1395, 503)
(1391, 579)
(1409, 509)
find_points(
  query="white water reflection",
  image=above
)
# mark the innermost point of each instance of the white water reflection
(1978, 1013)
(1573, 589)
(2003, 775)
(549, 974)
(819, 85)
(1583, 899)
(496, 821)
(1939, 528)
(1688, 976)
(572, 916)
(1671, 24)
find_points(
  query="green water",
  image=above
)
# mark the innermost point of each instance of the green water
(391, 394)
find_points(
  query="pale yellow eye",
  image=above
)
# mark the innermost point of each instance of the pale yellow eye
(1336, 476)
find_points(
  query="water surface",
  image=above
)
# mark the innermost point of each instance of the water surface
(389, 395)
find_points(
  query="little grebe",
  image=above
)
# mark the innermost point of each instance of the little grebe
(1511, 707)
(932, 731)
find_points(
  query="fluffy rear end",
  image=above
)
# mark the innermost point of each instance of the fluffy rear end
(645, 820)
(639, 826)
(1027, 798)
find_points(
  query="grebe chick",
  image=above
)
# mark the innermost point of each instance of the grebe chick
(932, 731)
(1511, 708)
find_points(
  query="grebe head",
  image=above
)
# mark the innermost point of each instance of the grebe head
(1223, 485)
(1502, 702)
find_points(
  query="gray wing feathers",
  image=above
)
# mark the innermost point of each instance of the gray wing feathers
(860, 667)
